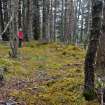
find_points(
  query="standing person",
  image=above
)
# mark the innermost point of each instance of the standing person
(20, 37)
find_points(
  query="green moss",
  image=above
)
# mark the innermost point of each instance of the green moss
(89, 95)
(60, 66)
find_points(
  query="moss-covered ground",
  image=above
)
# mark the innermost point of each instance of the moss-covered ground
(49, 74)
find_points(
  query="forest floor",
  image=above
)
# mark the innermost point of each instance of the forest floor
(49, 74)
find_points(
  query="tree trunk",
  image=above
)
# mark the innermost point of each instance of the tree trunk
(13, 27)
(5, 36)
(19, 15)
(36, 19)
(1, 17)
(92, 49)
(100, 60)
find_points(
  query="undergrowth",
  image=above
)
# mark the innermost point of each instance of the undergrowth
(50, 74)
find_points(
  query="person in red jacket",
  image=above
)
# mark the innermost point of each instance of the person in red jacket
(20, 37)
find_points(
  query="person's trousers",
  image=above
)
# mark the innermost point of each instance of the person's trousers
(20, 43)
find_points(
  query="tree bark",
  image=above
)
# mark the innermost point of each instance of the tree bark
(1, 17)
(36, 19)
(100, 60)
(92, 49)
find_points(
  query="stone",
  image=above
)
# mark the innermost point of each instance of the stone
(10, 102)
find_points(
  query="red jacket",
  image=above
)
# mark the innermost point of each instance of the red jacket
(20, 35)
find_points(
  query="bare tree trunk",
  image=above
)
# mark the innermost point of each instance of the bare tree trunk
(92, 49)
(14, 27)
(51, 21)
(100, 63)
(19, 14)
(5, 36)
(62, 22)
(45, 20)
(1, 17)
(26, 18)
(55, 17)
(69, 21)
(36, 19)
